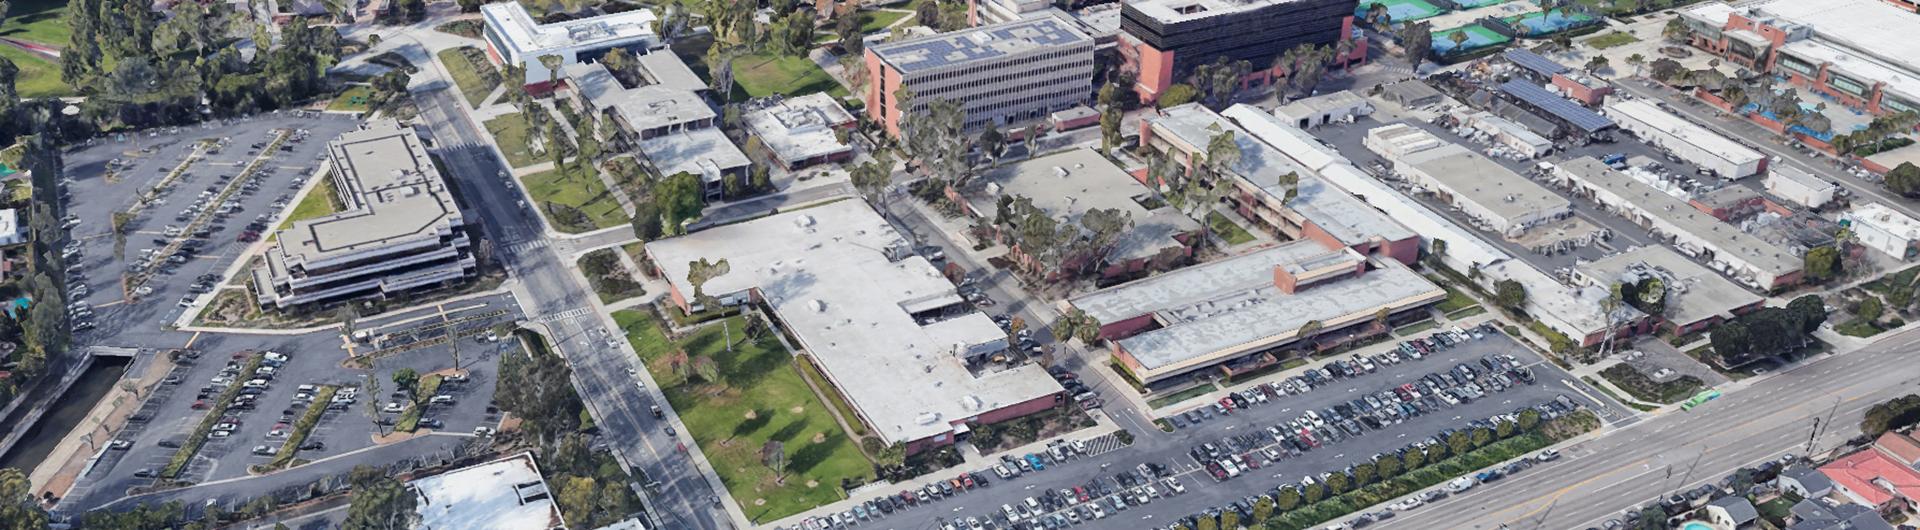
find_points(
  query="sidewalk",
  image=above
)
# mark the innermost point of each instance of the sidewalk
(76, 453)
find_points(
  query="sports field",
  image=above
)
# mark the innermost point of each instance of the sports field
(1477, 37)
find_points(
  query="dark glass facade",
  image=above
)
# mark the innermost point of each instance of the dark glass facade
(1254, 34)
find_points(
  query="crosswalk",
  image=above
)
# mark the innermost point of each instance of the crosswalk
(1103, 444)
(524, 246)
(565, 315)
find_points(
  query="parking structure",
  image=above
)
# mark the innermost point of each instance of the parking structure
(1146, 466)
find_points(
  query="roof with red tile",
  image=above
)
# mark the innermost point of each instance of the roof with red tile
(1900, 446)
(1874, 476)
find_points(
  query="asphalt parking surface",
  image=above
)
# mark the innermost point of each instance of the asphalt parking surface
(1203, 491)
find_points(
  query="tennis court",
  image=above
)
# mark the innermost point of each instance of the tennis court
(1478, 36)
(1402, 10)
(1476, 4)
(1540, 23)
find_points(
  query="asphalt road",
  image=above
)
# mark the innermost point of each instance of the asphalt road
(1634, 465)
(681, 496)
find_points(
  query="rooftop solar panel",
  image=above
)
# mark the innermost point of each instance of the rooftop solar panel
(1533, 61)
(979, 43)
(1568, 111)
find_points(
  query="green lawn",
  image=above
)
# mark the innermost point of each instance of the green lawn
(475, 84)
(1183, 395)
(353, 99)
(579, 190)
(510, 131)
(1416, 327)
(761, 398)
(874, 21)
(1228, 230)
(39, 78)
(1455, 301)
(317, 202)
(1617, 38)
(40, 21)
(763, 74)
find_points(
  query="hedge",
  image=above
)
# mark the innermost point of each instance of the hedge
(214, 413)
(321, 400)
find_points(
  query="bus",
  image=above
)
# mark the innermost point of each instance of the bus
(1700, 398)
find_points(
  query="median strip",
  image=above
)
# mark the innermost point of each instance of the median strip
(214, 412)
(301, 429)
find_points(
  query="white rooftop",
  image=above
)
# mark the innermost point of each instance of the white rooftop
(1642, 111)
(826, 272)
(529, 38)
(1335, 101)
(1232, 306)
(1467, 175)
(799, 128)
(1858, 66)
(1172, 11)
(1868, 27)
(1066, 185)
(666, 69)
(506, 494)
(1341, 215)
(393, 195)
(1694, 293)
(1887, 219)
(1728, 242)
(1574, 311)
(704, 152)
(655, 106)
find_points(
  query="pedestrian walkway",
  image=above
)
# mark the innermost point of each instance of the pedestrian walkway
(1103, 444)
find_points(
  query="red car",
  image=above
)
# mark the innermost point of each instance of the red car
(967, 480)
(199, 404)
(1227, 402)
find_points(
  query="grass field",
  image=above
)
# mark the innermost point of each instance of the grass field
(761, 398)
(41, 21)
(873, 21)
(317, 202)
(39, 78)
(1228, 230)
(510, 132)
(1455, 301)
(475, 84)
(764, 74)
(577, 189)
(345, 101)
(1617, 38)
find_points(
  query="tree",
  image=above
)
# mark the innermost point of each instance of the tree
(1315, 492)
(1731, 339)
(1079, 325)
(1636, 61)
(1389, 466)
(470, 6)
(1675, 30)
(1178, 94)
(1597, 63)
(1503, 428)
(1458, 38)
(992, 143)
(1308, 330)
(1665, 69)
(928, 13)
(706, 369)
(1230, 519)
(646, 220)
(1223, 153)
(1811, 310)
(1821, 262)
(1262, 509)
(1870, 309)
(1287, 498)
(1379, 17)
(872, 181)
(679, 199)
(1509, 294)
(774, 455)
(1206, 522)
(1529, 419)
(1109, 129)
(1459, 443)
(1415, 459)
(18, 508)
(1904, 179)
(1416, 42)
(702, 271)
(372, 407)
(1364, 473)
(380, 502)
(1480, 437)
(407, 380)
(1338, 482)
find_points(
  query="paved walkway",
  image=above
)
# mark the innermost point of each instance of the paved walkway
(76, 453)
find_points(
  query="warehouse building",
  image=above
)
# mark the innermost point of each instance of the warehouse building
(1801, 187)
(1245, 312)
(1577, 311)
(1696, 298)
(505, 494)
(1686, 140)
(1310, 112)
(1001, 75)
(1508, 134)
(1308, 209)
(1163, 40)
(1566, 115)
(515, 38)
(1500, 200)
(1884, 229)
(399, 231)
(1746, 258)
(916, 364)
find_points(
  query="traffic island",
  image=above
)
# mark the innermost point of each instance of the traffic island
(215, 411)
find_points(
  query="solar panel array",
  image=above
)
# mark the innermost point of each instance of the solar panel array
(1568, 111)
(1525, 58)
(980, 43)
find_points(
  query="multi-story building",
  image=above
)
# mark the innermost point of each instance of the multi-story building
(1861, 53)
(673, 126)
(1002, 74)
(1162, 40)
(515, 38)
(399, 231)
(998, 11)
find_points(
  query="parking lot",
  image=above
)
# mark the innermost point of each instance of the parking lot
(113, 174)
(1169, 453)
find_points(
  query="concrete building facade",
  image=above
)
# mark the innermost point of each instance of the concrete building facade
(1744, 257)
(1884, 229)
(1694, 143)
(1163, 40)
(1001, 75)
(1861, 53)
(400, 229)
(513, 37)
(1504, 202)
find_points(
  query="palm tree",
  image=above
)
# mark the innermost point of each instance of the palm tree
(1459, 38)
(1635, 61)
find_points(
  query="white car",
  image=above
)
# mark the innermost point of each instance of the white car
(392, 407)
(1407, 504)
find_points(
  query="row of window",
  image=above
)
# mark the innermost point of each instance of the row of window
(1081, 70)
(988, 113)
(1077, 81)
(1001, 64)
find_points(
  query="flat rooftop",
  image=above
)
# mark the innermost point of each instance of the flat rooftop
(704, 152)
(527, 36)
(1695, 135)
(392, 194)
(654, 106)
(1172, 11)
(1900, 79)
(506, 494)
(826, 272)
(1336, 101)
(1068, 184)
(1880, 216)
(802, 127)
(665, 68)
(1467, 175)
(1868, 27)
(1333, 210)
(1232, 305)
(1574, 311)
(1727, 240)
(1694, 293)
(1046, 29)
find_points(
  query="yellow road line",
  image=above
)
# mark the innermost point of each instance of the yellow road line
(196, 336)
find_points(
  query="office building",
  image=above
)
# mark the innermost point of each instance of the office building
(802, 131)
(1067, 185)
(505, 494)
(1163, 40)
(1001, 75)
(1247, 311)
(1745, 257)
(1861, 53)
(674, 127)
(399, 231)
(513, 37)
(885, 327)
(1884, 229)
(1686, 140)
(1500, 200)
